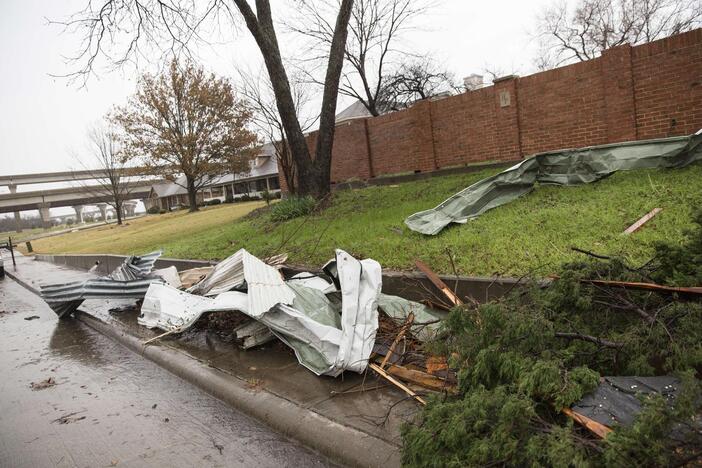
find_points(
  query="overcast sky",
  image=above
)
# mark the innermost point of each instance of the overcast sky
(44, 119)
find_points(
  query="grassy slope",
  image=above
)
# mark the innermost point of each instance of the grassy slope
(145, 234)
(532, 233)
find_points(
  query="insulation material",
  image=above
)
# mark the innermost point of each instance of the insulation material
(130, 280)
(562, 167)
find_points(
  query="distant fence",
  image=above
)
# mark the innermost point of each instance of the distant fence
(629, 93)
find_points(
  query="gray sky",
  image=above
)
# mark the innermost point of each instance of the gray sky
(44, 119)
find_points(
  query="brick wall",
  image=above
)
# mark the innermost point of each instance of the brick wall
(648, 91)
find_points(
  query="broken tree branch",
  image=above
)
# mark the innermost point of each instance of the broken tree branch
(400, 335)
(591, 339)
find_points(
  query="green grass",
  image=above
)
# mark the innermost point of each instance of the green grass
(532, 234)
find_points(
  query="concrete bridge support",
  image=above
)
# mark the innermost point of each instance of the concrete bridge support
(79, 213)
(18, 218)
(45, 213)
(103, 211)
(129, 208)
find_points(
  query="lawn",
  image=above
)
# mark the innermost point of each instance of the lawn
(532, 234)
(147, 233)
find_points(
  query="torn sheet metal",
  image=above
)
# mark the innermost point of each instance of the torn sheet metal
(616, 401)
(304, 318)
(264, 285)
(130, 280)
(170, 309)
(562, 167)
(170, 276)
(323, 345)
(426, 321)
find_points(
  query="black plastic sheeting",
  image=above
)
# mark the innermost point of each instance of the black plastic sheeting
(617, 401)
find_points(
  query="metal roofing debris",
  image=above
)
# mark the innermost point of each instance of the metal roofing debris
(264, 285)
(562, 167)
(171, 309)
(129, 280)
(616, 401)
(327, 338)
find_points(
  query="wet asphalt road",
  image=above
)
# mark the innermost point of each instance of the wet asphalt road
(111, 407)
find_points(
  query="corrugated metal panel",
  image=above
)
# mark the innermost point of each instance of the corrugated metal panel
(130, 280)
(264, 284)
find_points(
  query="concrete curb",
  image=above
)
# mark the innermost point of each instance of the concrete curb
(340, 443)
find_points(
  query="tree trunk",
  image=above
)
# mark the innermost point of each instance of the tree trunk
(313, 174)
(321, 174)
(118, 212)
(192, 195)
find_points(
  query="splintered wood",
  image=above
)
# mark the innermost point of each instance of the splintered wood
(600, 430)
(434, 278)
(396, 382)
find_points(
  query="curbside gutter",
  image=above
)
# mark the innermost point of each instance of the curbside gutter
(340, 443)
(410, 285)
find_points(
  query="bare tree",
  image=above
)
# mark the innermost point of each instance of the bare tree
(375, 28)
(257, 89)
(591, 26)
(416, 81)
(187, 122)
(124, 24)
(111, 169)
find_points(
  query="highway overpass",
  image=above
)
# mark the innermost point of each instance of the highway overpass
(12, 181)
(75, 197)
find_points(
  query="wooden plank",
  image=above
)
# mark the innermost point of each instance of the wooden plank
(421, 378)
(436, 281)
(396, 382)
(644, 219)
(600, 430)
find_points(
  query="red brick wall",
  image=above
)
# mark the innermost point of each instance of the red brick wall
(648, 91)
(668, 85)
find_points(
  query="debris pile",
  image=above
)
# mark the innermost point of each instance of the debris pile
(130, 280)
(334, 321)
(600, 368)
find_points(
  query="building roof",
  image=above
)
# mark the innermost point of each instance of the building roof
(263, 165)
(355, 111)
(166, 189)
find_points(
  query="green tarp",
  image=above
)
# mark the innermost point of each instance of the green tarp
(563, 167)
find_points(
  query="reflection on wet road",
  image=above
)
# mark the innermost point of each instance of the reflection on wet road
(105, 406)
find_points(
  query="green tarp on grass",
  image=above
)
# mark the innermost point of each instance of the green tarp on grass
(562, 167)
